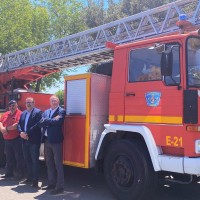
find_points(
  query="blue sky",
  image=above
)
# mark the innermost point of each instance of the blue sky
(70, 71)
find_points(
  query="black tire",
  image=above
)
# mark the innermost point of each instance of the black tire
(2, 154)
(128, 171)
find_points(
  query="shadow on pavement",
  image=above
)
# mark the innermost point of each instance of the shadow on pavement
(83, 184)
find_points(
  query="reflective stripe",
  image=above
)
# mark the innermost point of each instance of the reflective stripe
(147, 119)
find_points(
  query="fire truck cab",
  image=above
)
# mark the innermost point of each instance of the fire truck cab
(149, 108)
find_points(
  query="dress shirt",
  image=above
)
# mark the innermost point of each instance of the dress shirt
(28, 113)
(51, 112)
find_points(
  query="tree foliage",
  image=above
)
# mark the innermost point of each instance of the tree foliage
(22, 25)
(98, 12)
(128, 7)
(40, 25)
(65, 17)
(94, 13)
(47, 82)
(60, 95)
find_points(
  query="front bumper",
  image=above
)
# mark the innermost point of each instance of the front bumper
(184, 165)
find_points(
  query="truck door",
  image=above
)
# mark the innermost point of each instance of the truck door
(149, 97)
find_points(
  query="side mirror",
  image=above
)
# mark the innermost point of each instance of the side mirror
(166, 63)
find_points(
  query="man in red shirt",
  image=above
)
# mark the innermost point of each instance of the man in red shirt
(13, 146)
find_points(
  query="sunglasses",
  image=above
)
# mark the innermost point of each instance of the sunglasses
(13, 105)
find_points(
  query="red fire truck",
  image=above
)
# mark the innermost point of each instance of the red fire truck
(143, 120)
(14, 84)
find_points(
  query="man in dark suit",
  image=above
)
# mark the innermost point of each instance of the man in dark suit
(51, 122)
(30, 132)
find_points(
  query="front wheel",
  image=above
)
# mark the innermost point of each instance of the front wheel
(128, 170)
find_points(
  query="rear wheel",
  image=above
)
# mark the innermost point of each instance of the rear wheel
(128, 170)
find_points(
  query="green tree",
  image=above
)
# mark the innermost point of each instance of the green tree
(130, 7)
(22, 25)
(47, 82)
(40, 25)
(94, 13)
(15, 18)
(98, 12)
(65, 19)
(113, 11)
(60, 95)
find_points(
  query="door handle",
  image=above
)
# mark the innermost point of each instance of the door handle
(130, 94)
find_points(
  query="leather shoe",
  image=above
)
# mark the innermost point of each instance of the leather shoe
(26, 181)
(57, 191)
(34, 184)
(49, 187)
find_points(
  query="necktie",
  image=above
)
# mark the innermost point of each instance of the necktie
(50, 114)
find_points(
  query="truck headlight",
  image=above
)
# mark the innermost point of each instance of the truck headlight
(197, 146)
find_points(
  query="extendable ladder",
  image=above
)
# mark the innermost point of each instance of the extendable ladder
(88, 47)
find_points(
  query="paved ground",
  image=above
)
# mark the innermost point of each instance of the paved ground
(81, 184)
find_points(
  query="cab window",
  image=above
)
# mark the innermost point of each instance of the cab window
(144, 65)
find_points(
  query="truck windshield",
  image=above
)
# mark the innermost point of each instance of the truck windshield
(193, 62)
(144, 65)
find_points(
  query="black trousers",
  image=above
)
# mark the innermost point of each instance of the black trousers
(13, 151)
(31, 158)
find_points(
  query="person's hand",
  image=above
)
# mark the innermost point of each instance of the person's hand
(57, 117)
(24, 135)
(4, 131)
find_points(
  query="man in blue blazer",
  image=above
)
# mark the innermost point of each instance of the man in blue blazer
(30, 132)
(51, 122)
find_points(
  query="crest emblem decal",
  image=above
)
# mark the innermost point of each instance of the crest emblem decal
(153, 98)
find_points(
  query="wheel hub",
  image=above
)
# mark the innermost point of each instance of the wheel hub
(123, 171)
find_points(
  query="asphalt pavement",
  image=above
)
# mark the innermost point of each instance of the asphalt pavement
(83, 184)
